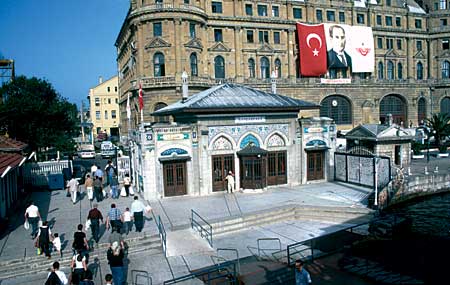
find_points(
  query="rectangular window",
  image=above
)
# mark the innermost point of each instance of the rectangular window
(379, 43)
(262, 10)
(418, 23)
(443, 22)
(250, 38)
(109, 89)
(399, 44)
(341, 17)
(297, 13)
(388, 2)
(157, 29)
(218, 37)
(249, 9)
(398, 21)
(216, 7)
(388, 20)
(389, 43)
(109, 100)
(276, 37)
(319, 16)
(106, 115)
(442, 4)
(185, 2)
(419, 45)
(379, 20)
(263, 37)
(117, 101)
(97, 101)
(445, 44)
(113, 114)
(331, 17)
(97, 115)
(360, 18)
(192, 32)
(275, 11)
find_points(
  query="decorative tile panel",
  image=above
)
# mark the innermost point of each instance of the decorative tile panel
(222, 144)
(275, 140)
(237, 131)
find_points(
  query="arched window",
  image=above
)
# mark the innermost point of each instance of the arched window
(419, 71)
(399, 71)
(390, 70)
(445, 106)
(380, 70)
(160, 119)
(159, 66)
(278, 67)
(421, 110)
(193, 60)
(265, 67)
(445, 69)
(338, 108)
(251, 68)
(219, 67)
(394, 105)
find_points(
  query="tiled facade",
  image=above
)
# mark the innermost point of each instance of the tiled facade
(238, 41)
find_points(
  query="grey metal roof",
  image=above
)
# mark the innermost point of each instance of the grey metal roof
(378, 132)
(233, 96)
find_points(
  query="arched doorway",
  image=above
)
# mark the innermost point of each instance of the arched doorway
(253, 161)
(445, 106)
(421, 110)
(394, 105)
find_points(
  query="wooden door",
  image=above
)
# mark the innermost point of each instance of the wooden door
(315, 162)
(222, 164)
(276, 168)
(253, 172)
(175, 178)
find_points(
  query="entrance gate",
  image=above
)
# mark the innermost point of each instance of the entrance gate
(174, 178)
(315, 164)
(222, 164)
(361, 169)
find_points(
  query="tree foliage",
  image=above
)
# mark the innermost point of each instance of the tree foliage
(440, 128)
(33, 112)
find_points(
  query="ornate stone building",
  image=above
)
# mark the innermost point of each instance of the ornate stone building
(243, 41)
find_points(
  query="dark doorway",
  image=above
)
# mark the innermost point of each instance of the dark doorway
(221, 165)
(315, 162)
(174, 178)
(276, 172)
(394, 105)
(398, 155)
(253, 172)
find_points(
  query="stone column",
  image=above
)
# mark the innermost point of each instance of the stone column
(238, 54)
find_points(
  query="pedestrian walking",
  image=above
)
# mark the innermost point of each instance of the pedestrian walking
(116, 236)
(96, 217)
(137, 210)
(108, 279)
(114, 187)
(98, 189)
(115, 257)
(114, 219)
(89, 185)
(127, 184)
(87, 278)
(57, 244)
(99, 174)
(79, 266)
(80, 243)
(43, 239)
(230, 181)
(110, 172)
(33, 216)
(302, 276)
(72, 188)
(55, 276)
(93, 169)
(128, 224)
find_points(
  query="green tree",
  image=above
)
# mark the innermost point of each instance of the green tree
(440, 129)
(33, 112)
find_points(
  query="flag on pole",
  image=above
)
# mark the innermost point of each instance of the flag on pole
(141, 98)
(312, 49)
(128, 107)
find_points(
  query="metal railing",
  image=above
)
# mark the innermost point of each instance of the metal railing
(204, 229)
(264, 249)
(225, 270)
(237, 256)
(141, 274)
(310, 244)
(162, 235)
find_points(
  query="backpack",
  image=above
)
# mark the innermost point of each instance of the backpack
(53, 279)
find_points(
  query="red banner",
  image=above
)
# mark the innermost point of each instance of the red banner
(141, 98)
(313, 49)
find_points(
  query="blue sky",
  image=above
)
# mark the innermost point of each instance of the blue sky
(68, 42)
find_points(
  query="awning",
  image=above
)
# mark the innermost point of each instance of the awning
(174, 158)
(318, 148)
(251, 150)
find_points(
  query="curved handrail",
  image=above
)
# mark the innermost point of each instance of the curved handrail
(267, 239)
(204, 231)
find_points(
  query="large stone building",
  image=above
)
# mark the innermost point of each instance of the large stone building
(104, 107)
(243, 41)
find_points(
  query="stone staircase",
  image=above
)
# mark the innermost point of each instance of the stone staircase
(38, 264)
(290, 212)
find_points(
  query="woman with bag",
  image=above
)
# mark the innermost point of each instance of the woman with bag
(43, 239)
(78, 266)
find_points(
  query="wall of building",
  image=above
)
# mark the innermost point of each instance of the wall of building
(104, 99)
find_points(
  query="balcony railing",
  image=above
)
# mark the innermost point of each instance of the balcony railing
(172, 6)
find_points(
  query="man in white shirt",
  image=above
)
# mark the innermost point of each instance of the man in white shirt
(137, 210)
(72, 186)
(61, 275)
(93, 169)
(33, 216)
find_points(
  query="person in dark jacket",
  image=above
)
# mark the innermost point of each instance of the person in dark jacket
(43, 239)
(115, 257)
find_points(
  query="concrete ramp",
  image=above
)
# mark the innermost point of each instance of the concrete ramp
(185, 242)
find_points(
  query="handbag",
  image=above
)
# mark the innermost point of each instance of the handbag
(88, 224)
(131, 190)
(40, 223)
(26, 225)
(123, 193)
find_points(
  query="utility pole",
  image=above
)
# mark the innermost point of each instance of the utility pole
(82, 122)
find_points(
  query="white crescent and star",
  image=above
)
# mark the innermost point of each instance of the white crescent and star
(314, 36)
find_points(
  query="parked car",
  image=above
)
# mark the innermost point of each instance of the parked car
(86, 151)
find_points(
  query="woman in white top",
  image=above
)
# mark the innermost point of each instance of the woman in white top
(127, 220)
(78, 267)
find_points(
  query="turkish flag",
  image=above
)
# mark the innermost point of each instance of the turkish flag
(313, 49)
(141, 98)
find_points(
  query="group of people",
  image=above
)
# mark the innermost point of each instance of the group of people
(58, 277)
